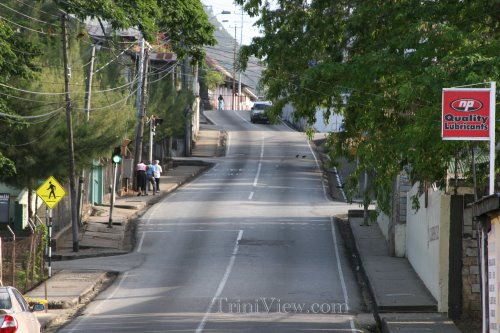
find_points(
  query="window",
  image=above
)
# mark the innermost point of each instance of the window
(5, 302)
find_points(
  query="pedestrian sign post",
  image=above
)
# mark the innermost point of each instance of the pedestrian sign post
(51, 192)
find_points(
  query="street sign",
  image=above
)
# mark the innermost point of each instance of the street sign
(51, 192)
(466, 114)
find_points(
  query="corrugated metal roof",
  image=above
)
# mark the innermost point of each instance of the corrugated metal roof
(464, 165)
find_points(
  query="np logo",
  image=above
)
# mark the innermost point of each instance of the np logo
(466, 105)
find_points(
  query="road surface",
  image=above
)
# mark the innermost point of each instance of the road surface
(249, 246)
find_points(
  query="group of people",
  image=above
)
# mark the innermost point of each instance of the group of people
(148, 176)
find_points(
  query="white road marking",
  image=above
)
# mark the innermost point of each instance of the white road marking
(319, 168)
(90, 314)
(222, 284)
(250, 197)
(256, 179)
(341, 273)
(151, 211)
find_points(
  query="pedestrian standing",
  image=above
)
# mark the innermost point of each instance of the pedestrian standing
(150, 177)
(140, 169)
(221, 102)
(157, 174)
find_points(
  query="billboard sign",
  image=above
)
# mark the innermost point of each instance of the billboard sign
(466, 114)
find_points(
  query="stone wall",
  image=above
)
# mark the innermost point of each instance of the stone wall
(471, 287)
(397, 230)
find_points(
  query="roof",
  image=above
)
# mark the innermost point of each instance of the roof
(161, 51)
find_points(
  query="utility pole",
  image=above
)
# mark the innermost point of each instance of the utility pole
(151, 136)
(88, 97)
(88, 93)
(140, 117)
(239, 72)
(233, 107)
(71, 150)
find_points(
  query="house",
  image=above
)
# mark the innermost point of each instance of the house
(222, 58)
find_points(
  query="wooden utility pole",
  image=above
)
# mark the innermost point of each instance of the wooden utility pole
(141, 102)
(71, 150)
(233, 104)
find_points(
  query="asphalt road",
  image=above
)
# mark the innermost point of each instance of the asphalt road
(249, 246)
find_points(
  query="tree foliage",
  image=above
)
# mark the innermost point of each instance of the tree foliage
(32, 107)
(184, 21)
(382, 64)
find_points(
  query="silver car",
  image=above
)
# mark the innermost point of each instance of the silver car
(258, 113)
(16, 316)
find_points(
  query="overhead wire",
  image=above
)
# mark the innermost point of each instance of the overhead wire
(24, 27)
(17, 116)
(36, 140)
(33, 7)
(109, 105)
(161, 78)
(30, 17)
(26, 99)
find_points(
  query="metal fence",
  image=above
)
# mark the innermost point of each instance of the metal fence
(23, 258)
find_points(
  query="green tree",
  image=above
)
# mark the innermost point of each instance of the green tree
(184, 21)
(382, 64)
(36, 135)
(37, 140)
(14, 66)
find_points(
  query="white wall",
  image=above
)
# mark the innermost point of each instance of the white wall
(383, 223)
(333, 125)
(427, 242)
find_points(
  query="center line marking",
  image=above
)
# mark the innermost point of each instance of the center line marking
(222, 284)
(256, 179)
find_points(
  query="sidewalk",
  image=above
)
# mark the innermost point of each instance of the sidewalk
(68, 290)
(402, 302)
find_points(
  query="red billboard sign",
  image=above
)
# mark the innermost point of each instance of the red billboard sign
(466, 114)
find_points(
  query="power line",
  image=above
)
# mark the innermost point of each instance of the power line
(24, 27)
(36, 140)
(17, 116)
(109, 105)
(31, 18)
(31, 92)
(33, 7)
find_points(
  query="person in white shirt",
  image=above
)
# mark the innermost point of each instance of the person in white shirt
(157, 173)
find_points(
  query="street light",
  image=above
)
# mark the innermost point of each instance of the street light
(224, 12)
(233, 102)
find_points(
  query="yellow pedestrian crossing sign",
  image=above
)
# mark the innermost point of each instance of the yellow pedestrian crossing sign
(51, 192)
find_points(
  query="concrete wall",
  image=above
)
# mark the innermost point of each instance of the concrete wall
(333, 124)
(383, 222)
(427, 242)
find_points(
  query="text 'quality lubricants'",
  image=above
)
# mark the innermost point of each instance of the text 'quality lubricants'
(466, 115)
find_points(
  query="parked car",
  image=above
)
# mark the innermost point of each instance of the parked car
(16, 316)
(258, 113)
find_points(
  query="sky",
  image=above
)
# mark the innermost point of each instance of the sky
(234, 19)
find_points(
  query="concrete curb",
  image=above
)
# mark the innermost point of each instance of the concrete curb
(57, 316)
(135, 215)
(428, 322)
